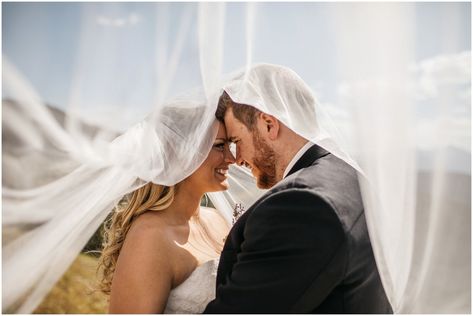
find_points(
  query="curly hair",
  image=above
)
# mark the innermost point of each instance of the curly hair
(150, 197)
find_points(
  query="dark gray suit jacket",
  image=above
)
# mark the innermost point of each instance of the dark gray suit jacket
(303, 247)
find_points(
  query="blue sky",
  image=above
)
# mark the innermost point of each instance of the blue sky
(106, 53)
(42, 39)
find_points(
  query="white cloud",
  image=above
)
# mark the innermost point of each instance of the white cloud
(129, 20)
(438, 74)
(439, 90)
(444, 85)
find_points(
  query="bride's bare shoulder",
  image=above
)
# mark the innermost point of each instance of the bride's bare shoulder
(148, 225)
(145, 272)
(148, 234)
(151, 241)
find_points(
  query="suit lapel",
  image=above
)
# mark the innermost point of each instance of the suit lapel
(312, 154)
(229, 253)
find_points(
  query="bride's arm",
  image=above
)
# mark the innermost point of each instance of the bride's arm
(143, 276)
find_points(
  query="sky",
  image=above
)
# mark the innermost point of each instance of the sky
(43, 39)
(101, 56)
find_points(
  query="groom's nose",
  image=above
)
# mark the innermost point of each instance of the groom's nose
(229, 158)
(240, 161)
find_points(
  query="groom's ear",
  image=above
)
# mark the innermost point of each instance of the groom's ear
(270, 125)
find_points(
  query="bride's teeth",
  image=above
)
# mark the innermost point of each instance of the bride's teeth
(221, 171)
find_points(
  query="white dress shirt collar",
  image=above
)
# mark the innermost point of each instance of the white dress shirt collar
(296, 157)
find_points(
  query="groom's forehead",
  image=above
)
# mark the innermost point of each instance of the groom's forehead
(229, 121)
(232, 134)
(234, 127)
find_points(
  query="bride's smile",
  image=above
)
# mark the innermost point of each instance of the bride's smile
(212, 175)
(222, 172)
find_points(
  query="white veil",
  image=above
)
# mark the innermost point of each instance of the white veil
(76, 76)
(281, 92)
(67, 169)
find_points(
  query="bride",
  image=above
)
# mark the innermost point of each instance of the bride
(160, 245)
(380, 102)
(162, 237)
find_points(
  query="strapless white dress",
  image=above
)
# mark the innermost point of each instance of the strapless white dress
(193, 295)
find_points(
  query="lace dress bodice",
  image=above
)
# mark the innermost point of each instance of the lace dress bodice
(193, 295)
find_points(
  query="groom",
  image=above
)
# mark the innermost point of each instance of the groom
(303, 247)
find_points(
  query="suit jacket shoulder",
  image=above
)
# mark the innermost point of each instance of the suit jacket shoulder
(302, 247)
(332, 180)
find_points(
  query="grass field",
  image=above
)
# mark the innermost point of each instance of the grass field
(73, 293)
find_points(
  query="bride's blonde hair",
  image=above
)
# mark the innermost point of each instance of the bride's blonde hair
(150, 197)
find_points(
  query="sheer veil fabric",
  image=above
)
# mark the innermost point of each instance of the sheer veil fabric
(139, 103)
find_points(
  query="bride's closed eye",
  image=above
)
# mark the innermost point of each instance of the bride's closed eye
(219, 145)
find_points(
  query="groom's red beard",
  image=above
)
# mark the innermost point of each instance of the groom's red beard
(265, 162)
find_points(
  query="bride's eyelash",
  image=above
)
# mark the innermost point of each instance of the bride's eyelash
(219, 146)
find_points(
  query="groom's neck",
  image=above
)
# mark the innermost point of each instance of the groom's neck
(289, 146)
